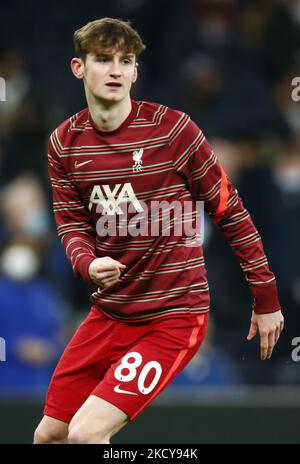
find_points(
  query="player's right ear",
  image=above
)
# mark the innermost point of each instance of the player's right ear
(77, 67)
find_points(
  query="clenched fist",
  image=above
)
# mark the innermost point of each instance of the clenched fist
(105, 271)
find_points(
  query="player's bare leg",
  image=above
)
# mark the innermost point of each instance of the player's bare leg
(51, 431)
(96, 422)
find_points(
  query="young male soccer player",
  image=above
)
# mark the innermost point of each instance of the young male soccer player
(109, 165)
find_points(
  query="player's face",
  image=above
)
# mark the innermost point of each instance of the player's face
(109, 76)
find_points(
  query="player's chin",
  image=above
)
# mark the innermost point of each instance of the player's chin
(113, 97)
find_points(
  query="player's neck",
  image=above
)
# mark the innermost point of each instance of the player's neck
(109, 117)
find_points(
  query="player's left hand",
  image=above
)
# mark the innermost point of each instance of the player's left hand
(269, 327)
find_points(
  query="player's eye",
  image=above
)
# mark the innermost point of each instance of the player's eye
(102, 59)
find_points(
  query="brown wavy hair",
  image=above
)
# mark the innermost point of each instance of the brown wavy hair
(107, 34)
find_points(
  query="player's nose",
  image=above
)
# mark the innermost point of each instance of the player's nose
(115, 69)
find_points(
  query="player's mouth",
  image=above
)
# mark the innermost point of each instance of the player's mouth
(114, 85)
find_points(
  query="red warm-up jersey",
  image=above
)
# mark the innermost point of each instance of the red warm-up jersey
(106, 185)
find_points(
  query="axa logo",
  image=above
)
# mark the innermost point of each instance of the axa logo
(110, 201)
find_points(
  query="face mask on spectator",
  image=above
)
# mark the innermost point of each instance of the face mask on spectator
(36, 224)
(288, 178)
(19, 262)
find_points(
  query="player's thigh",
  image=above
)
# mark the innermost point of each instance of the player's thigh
(97, 418)
(148, 366)
(82, 365)
(51, 430)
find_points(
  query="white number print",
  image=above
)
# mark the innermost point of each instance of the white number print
(132, 366)
(125, 364)
(145, 371)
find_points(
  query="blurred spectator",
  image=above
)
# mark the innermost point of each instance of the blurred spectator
(32, 320)
(22, 122)
(27, 214)
(32, 314)
(201, 96)
(284, 247)
(17, 88)
(24, 208)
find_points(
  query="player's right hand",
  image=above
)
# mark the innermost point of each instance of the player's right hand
(105, 271)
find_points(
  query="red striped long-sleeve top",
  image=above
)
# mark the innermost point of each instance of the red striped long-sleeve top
(133, 194)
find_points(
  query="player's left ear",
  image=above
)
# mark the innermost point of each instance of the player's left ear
(135, 74)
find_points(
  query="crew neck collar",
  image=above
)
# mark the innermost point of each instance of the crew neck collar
(124, 125)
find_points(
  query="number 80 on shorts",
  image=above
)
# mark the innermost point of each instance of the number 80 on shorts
(132, 366)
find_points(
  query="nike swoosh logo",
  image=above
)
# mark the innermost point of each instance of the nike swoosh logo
(117, 389)
(78, 165)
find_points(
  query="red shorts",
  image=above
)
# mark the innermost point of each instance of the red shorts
(126, 364)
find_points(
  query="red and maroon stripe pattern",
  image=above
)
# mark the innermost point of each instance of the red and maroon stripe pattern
(164, 275)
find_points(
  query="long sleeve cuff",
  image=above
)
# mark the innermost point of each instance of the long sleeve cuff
(265, 298)
(82, 268)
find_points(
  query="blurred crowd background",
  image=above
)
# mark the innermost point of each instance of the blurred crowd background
(227, 63)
